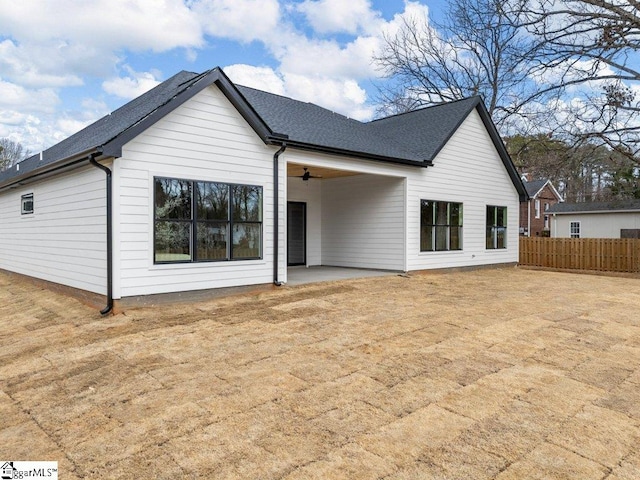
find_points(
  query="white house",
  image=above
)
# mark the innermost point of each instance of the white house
(176, 190)
(615, 219)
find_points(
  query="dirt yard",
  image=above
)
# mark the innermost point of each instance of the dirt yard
(505, 374)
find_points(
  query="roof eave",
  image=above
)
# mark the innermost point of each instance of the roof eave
(49, 169)
(584, 212)
(273, 140)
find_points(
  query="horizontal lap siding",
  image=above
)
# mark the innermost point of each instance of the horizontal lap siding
(467, 170)
(64, 240)
(595, 225)
(203, 139)
(363, 222)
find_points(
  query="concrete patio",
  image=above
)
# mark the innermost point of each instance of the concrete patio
(302, 275)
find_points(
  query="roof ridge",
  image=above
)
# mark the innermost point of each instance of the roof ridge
(300, 102)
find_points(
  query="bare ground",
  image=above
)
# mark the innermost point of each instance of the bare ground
(505, 374)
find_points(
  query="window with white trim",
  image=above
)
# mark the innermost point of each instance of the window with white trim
(537, 207)
(206, 221)
(26, 202)
(575, 229)
(440, 226)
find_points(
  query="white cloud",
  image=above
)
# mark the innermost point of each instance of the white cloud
(261, 78)
(304, 56)
(49, 48)
(156, 25)
(21, 98)
(343, 96)
(339, 16)
(133, 85)
(241, 20)
(35, 66)
(56, 43)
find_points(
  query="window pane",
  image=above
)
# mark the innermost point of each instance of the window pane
(491, 216)
(172, 199)
(501, 237)
(426, 239)
(441, 238)
(455, 210)
(247, 203)
(490, 239)
(246, 240)
(212, 201)
(172, 241)
(441, 213)
(575, 230)
(426, 213)
(501, 214)
(456, 238)
(211, 243)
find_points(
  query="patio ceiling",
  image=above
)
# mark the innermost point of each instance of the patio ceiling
(297, 170)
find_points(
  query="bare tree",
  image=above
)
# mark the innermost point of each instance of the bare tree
(11, 152)
(477, 50)
(587, 56)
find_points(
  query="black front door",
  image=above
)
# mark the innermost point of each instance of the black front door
(296, 233)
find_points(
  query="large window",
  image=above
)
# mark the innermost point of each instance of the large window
(575, 229)
(440, 226)
(496, 227)
(206, 221)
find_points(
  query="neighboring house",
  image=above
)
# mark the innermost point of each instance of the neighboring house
(534, 219)
(175, 191)
(615, 219)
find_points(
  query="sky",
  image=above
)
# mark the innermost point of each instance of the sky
(64, 64)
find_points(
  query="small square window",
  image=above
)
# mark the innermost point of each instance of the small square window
(27, 203)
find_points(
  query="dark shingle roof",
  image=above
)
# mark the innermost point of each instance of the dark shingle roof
(425, 131)
(313, 125)
(414, 138)
(534, 186)
(603, 207)
(108, 127)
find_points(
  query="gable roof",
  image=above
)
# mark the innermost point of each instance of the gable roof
(536, 186)
(441, 121)
(596, 207)
(413, 138)
(427, 131)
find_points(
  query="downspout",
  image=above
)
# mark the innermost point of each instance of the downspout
(107, 172)
(276, 209)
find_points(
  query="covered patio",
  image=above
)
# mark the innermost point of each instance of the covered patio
(352, 222)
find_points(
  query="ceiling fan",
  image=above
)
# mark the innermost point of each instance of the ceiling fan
(307, 175)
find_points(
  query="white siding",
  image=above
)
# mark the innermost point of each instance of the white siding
(363, 222)
(309, 193)
(203, 139)
(467, 170)
(64, 240)
(594, 225)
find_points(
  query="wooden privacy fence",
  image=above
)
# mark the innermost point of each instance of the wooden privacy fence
(601, 254)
